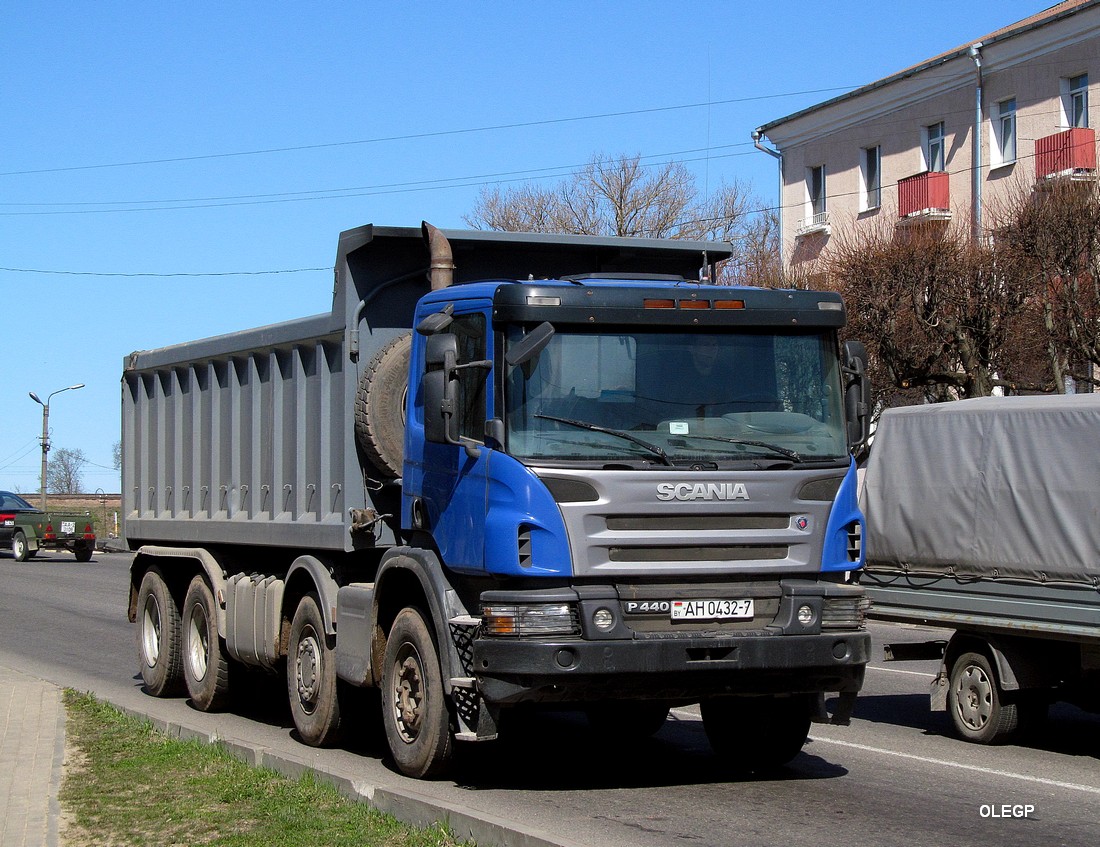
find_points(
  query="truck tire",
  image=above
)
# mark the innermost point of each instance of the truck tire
(380, 407)
(626, 720)
(311, 676)
(976, 703)
(205, 664)
(159, 636)
(415, 712)
(19, 547)
(757, 733)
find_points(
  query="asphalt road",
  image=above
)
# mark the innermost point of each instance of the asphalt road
(894, 777)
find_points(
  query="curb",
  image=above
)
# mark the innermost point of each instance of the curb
(409, 807)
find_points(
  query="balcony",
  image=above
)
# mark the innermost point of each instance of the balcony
(818, 223)
(924, 197)
(1066, 155)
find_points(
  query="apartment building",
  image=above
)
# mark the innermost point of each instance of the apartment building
(943, 140)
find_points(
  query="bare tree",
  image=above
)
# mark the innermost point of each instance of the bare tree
(622, 197)
(64, 471)
(1052, 237)
(933, 308)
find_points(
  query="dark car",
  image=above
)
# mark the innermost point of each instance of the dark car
(27, 529)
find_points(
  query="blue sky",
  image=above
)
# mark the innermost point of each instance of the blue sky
(131, 134)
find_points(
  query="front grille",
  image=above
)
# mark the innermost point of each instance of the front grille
(728, 553)
(524, 540)
(696, 523)
(855, 541)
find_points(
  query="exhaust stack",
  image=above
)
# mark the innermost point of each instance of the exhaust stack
(441, 271)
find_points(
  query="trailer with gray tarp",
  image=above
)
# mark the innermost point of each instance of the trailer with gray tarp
(983, 517)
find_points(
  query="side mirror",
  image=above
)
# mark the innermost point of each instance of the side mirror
(532, 344)
(439, 386)
(857, 394)
(436, 322)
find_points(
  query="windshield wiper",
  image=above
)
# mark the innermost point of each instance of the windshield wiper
(645, 445)
(783, 451)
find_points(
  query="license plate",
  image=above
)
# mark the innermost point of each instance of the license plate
(695, 610)
(68, 527)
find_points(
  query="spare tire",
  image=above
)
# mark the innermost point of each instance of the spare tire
(380, 407)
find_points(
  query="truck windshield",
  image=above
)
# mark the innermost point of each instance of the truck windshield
(654, 397)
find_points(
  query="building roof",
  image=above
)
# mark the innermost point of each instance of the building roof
(1056, 12)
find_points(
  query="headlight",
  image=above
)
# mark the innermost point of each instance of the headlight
(844, 612)
(518, 620)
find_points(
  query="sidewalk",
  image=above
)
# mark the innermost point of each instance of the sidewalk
(32, 750)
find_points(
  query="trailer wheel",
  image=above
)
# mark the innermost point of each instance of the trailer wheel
(976, 703)
(159, 633)
(757, 733)
(380, 406)
(311, 676)
(19, 547)
(626, 720)
(415, 712)
(205, 665)
(83, 552)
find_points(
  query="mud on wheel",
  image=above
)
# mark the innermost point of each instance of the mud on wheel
(311, 676)
(415, 711)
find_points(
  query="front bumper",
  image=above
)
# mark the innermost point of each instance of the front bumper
(681, 668)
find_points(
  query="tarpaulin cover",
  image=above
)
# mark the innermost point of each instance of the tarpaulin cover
(997, 487)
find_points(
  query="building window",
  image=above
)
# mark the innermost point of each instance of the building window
(870, 178)
(1003, 148)
(1075, 100)
(933, 147)
(815, 187)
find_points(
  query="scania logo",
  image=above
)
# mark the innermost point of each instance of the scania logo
(702, 491)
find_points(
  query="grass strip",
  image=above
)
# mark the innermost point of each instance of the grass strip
(126, 785)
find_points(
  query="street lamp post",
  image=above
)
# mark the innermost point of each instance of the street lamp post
(46, 431)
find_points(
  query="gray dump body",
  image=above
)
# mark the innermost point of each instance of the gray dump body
(248, 438)
(984, 514)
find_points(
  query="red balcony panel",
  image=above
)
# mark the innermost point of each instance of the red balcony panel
(926, 193)
(1065, 152)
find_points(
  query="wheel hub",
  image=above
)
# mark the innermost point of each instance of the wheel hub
(307, 670)
(975, 697)
(409, 698)
(150, 631)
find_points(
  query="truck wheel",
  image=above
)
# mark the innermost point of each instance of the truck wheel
(159, 633)
(311, 676)
(380, 406)
(205, 665)
(414, 708)
(83, 553)
(976, 703)
(757, 733)
(626, 720)
(19, 547)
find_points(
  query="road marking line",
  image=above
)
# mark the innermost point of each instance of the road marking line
(899, 670)
(988, 771)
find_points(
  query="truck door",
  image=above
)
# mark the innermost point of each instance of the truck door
(455, 480)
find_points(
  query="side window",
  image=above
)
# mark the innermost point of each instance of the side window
(870, 178)
(1004, 133)
(1075, 100)
(815, 193)
(470, 332)
(933, 147)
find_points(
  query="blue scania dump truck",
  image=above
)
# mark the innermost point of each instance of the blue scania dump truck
(508, 469)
